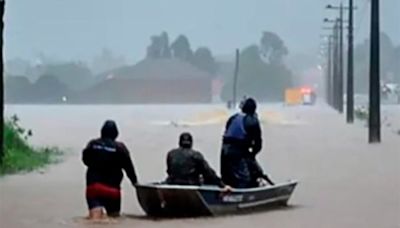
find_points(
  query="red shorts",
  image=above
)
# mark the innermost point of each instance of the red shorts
(100, 195)
(98, 190)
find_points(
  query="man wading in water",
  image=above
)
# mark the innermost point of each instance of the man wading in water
(105, 159)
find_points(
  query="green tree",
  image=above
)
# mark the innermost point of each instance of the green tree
(159, 47)
(165, 49)
(154, 50)
(48, 88)
(76, 76)
(272, 48)
(181, 49)
(257, 78)
(361, 79)
(387, 54)
(204, 60)
(17, 88)
(389, 63)
(395, 64)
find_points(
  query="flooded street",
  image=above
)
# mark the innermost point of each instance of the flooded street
(343, 181)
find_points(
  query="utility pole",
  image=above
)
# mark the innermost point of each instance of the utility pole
(350, 68)
(374, 77)
(341, 71)
(235, 79)
(2, 10)
(328, 69)
(334, 46)
(333, 68)
(329, 73)
(336, 69)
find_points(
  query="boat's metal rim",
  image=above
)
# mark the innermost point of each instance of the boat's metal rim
(265, 201)
(214, 188)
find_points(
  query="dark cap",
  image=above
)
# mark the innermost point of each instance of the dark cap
(185, 140)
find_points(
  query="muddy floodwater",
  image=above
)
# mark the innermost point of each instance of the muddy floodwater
(343, 181)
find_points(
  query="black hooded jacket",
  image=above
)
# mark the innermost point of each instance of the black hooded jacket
(105, 159)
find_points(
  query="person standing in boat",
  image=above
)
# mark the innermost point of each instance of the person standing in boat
(105, 159)
(242, 141)
(186, 166)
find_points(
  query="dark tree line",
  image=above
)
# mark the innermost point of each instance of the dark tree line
(46, 89)
(48, 83)
(390, 63)
(262, 72)
(161, 48)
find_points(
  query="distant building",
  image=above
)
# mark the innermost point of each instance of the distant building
(152, 81)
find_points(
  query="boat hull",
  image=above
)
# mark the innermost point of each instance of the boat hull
(160, 200)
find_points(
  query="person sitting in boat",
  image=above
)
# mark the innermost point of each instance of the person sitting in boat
(242, 141)
(105, 159)
(186, 166)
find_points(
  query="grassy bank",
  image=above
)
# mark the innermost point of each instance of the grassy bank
(19, 155)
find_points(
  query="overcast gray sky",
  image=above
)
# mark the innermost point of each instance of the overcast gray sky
(79, 29)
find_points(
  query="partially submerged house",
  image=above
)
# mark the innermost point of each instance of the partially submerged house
(152, 81)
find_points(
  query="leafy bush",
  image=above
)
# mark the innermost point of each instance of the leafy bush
(19, 155)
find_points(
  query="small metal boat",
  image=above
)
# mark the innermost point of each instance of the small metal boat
(162, 200)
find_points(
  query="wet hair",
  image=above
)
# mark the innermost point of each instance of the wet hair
(249, 106)
(186, 140)
(109, 130)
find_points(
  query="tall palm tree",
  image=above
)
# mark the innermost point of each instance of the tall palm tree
(2, 9)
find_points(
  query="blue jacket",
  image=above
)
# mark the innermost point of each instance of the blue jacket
(236, 128)
(244, 130)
